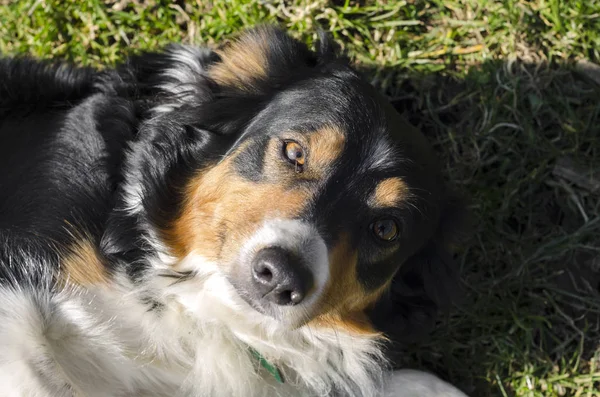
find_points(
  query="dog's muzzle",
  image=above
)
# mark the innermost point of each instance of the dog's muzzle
(284, 266)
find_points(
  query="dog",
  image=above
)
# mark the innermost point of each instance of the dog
(250, 220)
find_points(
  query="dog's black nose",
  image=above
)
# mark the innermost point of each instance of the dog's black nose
(280, 277)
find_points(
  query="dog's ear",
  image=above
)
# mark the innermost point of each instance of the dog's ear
(228, 85)
(259, 59)
(166, 79)
(265, 59)
(427, 283)
(253, 67)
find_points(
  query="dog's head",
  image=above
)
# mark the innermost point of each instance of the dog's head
(283, 172)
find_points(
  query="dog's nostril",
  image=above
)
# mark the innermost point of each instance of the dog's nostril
(264, 273)
(285, 297)
(289, 297)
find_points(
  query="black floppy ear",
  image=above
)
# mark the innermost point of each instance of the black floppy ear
(426, 284)
(227, 86)
(171, 77)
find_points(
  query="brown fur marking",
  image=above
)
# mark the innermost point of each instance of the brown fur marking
(243, 61)
(345, 300)
(325, 147)
(82, 264)
(353, 323)
(322, 148)
(389, 193)
(222, 210)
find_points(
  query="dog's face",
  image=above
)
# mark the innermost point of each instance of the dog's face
(322, 194)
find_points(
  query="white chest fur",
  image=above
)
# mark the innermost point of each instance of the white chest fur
(105, 342)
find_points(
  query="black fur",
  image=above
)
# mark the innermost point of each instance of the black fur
(72, 138)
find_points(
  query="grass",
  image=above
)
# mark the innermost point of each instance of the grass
(494, 85)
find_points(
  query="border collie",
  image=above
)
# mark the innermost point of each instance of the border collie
(249, 220)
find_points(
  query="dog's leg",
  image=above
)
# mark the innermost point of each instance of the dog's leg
(411, 383)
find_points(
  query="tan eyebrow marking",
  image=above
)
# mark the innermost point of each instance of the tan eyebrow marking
(326, 146)
(389, 193)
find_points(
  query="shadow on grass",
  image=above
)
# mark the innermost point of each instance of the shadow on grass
(528, 321)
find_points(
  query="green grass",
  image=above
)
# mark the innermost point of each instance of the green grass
(493, 85)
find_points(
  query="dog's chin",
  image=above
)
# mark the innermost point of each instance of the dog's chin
(289, 318)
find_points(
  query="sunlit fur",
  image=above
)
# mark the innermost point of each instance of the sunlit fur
(135, 199)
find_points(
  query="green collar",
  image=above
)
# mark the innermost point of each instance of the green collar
(267, 365)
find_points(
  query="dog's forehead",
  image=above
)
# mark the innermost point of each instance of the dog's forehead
(349, 105)
(324, 100)
(377, 142)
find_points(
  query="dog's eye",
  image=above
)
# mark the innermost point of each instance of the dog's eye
(294, 153)
(385, 229)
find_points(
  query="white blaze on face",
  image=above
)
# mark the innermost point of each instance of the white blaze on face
(301, 239)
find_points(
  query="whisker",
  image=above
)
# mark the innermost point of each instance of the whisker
(177, 276)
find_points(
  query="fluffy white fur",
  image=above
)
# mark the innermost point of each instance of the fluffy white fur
(103, 341)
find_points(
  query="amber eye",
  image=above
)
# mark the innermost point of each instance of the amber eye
(294, 153)
(385, 229)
